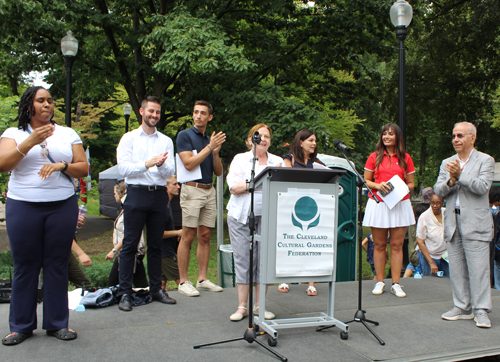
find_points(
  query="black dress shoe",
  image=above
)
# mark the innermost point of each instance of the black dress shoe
(125, 303)
(162, 296)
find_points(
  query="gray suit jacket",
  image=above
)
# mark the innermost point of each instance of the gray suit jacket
(473, 188)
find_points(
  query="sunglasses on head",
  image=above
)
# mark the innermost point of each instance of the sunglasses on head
(458, 135)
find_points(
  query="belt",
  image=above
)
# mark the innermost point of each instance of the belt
(457, 211)
(149, 188)
(201, 186)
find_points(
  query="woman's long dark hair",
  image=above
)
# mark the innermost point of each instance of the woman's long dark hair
(298, 152)
(400, 146)
(26, 109)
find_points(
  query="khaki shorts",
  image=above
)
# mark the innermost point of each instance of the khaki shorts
(198, 206)
(169, 268)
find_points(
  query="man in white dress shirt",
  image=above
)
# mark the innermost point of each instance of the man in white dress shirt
(145, 159)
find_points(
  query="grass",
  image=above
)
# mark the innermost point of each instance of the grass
(97, 248)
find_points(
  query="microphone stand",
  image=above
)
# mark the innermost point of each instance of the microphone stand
(359, 316)
(252, 331)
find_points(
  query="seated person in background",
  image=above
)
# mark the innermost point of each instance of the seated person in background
(76, 275)
(140, 280)
(367, 245)
(171, 238)
(430, 239)
(418, 209)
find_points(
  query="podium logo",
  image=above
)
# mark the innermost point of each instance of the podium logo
(305, 214)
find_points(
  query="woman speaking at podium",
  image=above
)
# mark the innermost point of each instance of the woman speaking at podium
(303, 152)
(238, 211)
(388, 160)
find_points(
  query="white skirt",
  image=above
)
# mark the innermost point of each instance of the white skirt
(380, 216)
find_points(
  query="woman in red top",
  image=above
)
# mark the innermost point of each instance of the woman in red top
(388, 160)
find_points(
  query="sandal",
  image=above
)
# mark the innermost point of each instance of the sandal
(283, 288)
(64, 334)
(311, 291)
(236, 317)
(15, 338)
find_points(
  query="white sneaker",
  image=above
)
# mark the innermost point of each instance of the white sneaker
(187, 289)
(379, 288)
(397, 291)
(208, 285)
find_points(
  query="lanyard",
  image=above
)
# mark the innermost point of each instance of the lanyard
(52, 160)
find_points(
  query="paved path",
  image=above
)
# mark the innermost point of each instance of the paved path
(94, 226)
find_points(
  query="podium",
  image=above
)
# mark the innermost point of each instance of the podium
(308, 200)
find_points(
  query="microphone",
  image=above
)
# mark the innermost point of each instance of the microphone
(339, 145)
(256, 138)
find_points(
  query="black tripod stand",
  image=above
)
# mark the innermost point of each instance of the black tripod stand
(251, 333)
(359, 316)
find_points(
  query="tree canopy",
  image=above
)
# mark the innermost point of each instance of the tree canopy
(331, 66)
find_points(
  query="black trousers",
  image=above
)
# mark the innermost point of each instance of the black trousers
(140, 280)
(40, 234)
(142, 208)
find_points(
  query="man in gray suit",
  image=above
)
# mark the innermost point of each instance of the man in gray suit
(465, 179)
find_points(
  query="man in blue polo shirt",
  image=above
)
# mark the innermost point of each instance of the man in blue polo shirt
(197, 198)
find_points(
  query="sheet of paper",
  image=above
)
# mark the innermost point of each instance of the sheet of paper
(395, 196)
(184, 175)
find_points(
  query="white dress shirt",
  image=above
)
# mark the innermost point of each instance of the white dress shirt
(135, 148)
(238, 206)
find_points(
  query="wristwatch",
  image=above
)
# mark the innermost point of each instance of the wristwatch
(115, 252)
(65, 166)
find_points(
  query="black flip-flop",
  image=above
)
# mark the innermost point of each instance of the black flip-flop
(64, 334)
(15, 338)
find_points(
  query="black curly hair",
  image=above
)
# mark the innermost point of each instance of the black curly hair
(26, 110)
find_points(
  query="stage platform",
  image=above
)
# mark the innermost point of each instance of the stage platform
(411, 328)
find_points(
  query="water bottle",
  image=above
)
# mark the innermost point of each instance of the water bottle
(418, 273)
(82, 210)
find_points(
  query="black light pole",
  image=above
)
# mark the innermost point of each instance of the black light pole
(127, 110)
(69, 48)
(401, 15)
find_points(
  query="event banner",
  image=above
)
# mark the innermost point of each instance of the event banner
(305, 234)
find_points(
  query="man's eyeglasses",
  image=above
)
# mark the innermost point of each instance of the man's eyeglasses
(458, 135)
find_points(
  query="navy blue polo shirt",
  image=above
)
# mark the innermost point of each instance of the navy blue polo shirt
(192, 139)
(169, 245)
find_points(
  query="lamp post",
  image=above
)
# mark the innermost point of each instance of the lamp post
(127, 110)
(401, 15)
(69, 48)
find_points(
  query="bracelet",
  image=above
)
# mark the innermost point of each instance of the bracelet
(65, 166)
(18, 150)
(210, 148)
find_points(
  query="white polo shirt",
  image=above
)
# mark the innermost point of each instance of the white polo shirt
(25, 184)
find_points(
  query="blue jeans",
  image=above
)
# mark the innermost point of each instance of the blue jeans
(440, 263)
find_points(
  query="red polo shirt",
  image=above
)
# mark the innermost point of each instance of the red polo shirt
(385, 171)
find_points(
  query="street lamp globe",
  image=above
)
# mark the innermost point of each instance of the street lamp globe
(69, 45)
(127, 109)
(401, 13)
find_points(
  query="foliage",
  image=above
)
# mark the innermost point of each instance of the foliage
(281, 62)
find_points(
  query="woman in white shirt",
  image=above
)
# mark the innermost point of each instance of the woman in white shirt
(238, 211)
(430, 239)
(41, 213)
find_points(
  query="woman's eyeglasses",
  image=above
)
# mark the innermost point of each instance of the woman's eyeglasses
(458, 135)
